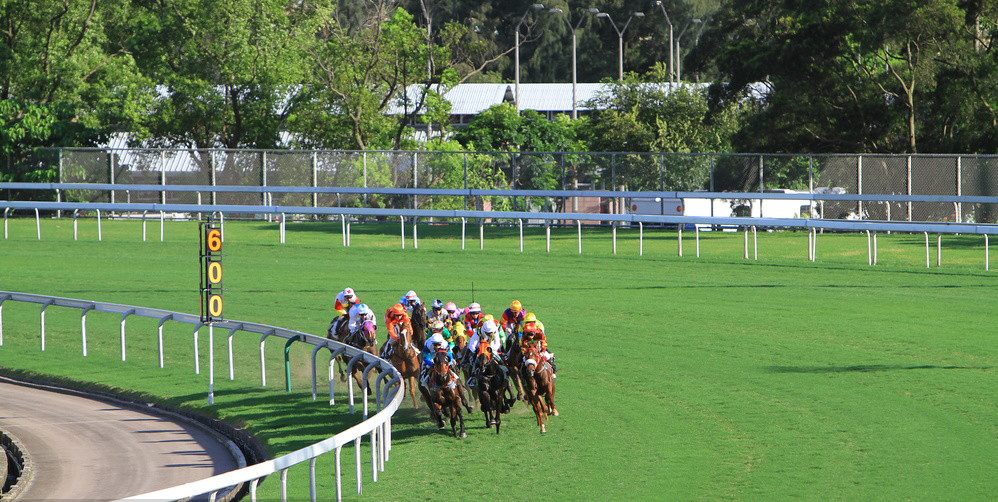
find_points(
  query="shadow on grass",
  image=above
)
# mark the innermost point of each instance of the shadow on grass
(865, 368)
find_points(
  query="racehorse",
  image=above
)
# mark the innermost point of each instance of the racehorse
(514, 361)
(494, 393)
(364, 338)
(538, 383)
(442, 395)
(405, 358)
(418, 320)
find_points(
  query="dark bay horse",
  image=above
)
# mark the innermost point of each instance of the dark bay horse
(418, 320)
(442, 395)
(514, 361)
(405, 358)
(494, 393)
(538, 384)
(364, 338)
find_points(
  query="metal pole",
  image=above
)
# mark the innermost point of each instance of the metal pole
(547, 235)
(614, 231)
(926, 249)
(481, 233)
(679, 243)
(579, 225)
(909, 186)
(987, 259)
(211, 361)
(755, 242)
(745, 239)
(464, 221)
(939, 250)
(402, 226)
(869, 249)
(696, 232)
(859, 184)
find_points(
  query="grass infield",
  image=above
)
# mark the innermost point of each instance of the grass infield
(710, 378)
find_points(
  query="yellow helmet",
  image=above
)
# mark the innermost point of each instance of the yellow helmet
(530, 318)
(488, 317)
(516, 307)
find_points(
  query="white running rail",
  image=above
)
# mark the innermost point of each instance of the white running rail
(388, 396)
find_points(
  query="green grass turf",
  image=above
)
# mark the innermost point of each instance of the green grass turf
(711, 378)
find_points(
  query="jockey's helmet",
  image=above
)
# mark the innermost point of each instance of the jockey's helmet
(451, 307)
(438, 304)
(474, 307)
(437, 326)
(397, 311)
(348, 293)
(410, 295)
(363, 310)
(516, 307)
(489, 327)
(530, 317)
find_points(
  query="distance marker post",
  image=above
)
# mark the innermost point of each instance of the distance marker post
(210, 238)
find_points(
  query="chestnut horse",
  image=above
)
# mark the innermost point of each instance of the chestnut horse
(538, 383)
(405, 358)
(442, 395)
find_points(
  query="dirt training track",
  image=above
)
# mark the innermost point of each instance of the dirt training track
(89, 449)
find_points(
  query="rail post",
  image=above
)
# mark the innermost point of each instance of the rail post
(83, 327)
(124, 316)
(42, 321)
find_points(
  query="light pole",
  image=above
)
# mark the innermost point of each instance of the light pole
(516, 98)
(678, 47)
(574, 29)
(620, 39)
(672, 60)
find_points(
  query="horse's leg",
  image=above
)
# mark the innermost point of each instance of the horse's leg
(411, 382)
(549, 397)
(339, 367)
(515, 375)
(539, 412)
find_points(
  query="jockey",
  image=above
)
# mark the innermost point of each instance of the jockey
(439, 327)
(512, 318)
(473, 317)
(488, 335)
(438, 313)
(434, 342)
(344, 300)
(533, 334)
(396, 321)
(359, 314)
(409, 301)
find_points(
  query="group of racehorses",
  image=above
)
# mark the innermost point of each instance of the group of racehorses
(531, 375)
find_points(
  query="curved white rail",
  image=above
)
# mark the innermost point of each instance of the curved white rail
(388, 397)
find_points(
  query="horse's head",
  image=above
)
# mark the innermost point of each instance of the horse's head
(531, 359)
(369, 332)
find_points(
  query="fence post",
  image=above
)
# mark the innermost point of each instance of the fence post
(696, 232)
(402, 226)
(908, 168)
(939, 250)
(315, 178)
(959, 189)
(110, 172)
(926, 249)
(761, 179)
(859, 184)
(162, 176)
(579, 224)
(213, 174)
(464, 222)
(465, 186)
(263, 176)
(679, 235)
(987, 262)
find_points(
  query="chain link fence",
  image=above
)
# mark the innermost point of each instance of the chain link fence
(849, 174)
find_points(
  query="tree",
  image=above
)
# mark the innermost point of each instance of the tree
(63, 80)
(838, 76)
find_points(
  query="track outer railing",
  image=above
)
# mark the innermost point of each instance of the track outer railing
(388, 396)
